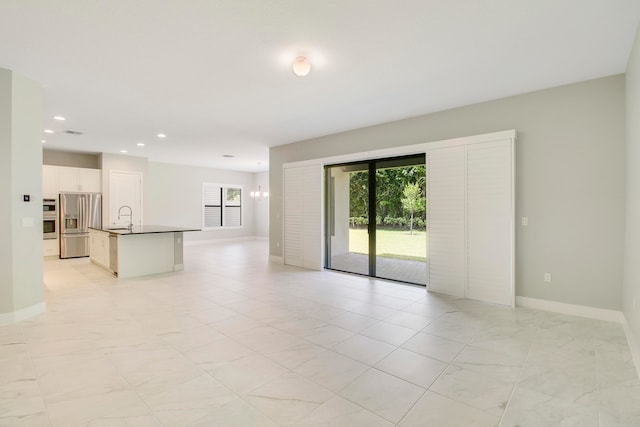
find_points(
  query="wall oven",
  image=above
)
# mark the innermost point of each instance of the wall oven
(49, 219)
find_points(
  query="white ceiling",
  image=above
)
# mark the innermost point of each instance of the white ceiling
(215, 76)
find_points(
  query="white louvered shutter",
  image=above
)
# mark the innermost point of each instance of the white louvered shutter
(294, 216)
(303, 216)
(446, 220)
(212, 197)
(489, 222)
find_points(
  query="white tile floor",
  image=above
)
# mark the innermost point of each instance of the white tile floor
(235, 341)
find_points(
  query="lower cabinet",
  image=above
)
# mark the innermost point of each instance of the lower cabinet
(51, 247)
(99, 248)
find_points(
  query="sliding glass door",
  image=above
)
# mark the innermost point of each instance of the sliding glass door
(376, 218)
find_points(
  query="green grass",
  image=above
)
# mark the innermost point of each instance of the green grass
(397, 244)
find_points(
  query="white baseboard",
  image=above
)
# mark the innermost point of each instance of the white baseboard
(23, 313)
(571, 309)
(634, 345)
(276, 259)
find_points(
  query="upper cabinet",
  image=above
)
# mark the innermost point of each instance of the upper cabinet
(50, 180)
(61, 179)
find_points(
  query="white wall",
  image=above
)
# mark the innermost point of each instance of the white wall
(261, 207)
(173, 196)
(21, 264)
(631, 288)
(570, 180)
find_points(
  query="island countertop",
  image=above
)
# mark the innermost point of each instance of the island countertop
(143, 229)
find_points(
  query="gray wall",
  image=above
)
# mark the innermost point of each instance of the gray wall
(173, 196)
(631, 289)
(71, 159)
(21, 264)
(570, 180)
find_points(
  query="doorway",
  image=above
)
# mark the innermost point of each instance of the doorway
(125, 189)
(376, 221)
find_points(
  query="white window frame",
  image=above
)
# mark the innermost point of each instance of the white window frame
(224, 187)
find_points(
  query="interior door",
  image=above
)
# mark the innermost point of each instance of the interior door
(125, 189)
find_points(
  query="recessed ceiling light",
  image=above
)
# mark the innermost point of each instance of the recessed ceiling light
(62, 119)
(228, 155)
(162, 135)
(140, 144)
(48, 131)
(123, 151)
(43, 141)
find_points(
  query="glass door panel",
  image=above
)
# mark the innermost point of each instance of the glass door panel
(376, 218)
(348, 218)
(400, 232)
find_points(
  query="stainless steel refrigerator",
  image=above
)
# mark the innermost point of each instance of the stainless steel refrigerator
(78, 212)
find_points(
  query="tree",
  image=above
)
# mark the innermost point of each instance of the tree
(413, 201)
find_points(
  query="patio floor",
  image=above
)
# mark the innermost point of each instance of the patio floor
(386, 268)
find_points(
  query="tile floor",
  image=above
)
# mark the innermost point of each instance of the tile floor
(235, 341)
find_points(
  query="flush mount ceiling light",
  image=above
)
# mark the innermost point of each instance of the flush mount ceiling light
(140, 144)
(162, 135)
(48, 131)
(59, 118)
(301, 66)
(123, 151)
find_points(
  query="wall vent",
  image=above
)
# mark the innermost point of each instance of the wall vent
(73, 132)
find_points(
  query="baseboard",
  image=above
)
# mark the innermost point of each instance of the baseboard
(276, 259)
(634, 344)
(571, 309)
(22, 314)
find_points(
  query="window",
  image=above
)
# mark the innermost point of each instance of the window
(222, 206)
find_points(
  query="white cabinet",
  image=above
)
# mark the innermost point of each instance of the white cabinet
(90, 180)
(60, 179)
(99, 247)
(50, 180)
(51, 247)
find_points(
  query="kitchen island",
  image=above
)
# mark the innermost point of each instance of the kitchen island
(145, 249)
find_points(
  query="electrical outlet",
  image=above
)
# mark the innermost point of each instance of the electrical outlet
(547, 277)
(525, 221)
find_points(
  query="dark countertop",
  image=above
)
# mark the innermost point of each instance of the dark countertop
(143, 229)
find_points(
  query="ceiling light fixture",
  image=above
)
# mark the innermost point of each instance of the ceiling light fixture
(60, 118)
(162, 135)
(44, 141)
(48, 131)
(123, 151)
(140, 144)
(301, 66)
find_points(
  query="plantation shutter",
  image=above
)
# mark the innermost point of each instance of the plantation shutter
(489, 222)
(303, 216)
(446, 220)
(212, 196)
(471, 220)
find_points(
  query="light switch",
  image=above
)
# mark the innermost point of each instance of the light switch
(27, 221)
(525, 221)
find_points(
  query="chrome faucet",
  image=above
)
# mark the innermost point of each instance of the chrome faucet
(130, 215)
